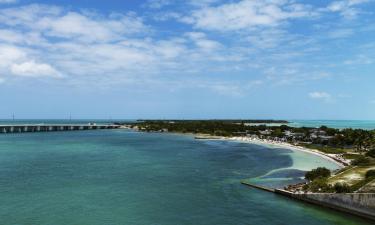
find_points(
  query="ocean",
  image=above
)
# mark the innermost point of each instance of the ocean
(338, 124)
(107, 177)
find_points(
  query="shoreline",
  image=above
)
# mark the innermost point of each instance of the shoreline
(335, 158)
(342, 163)
(331, 157)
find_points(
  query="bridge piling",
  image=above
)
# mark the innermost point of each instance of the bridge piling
(19, 128)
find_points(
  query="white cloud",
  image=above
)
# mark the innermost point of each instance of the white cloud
(18, 61)
(33, 69)
(320, 95)
(10, 36)
(9, 54)
(347, 8)
(165, 16)
(115, 49)
(270, 38)
(53, 21)
(202, 41)
(247, 14)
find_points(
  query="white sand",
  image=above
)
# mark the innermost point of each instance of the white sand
(336, 158)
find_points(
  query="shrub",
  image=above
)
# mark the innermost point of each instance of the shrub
(370, 174)
(371, 153)
(320, 172)
(361, 161)
(342, 188)
(319, 185)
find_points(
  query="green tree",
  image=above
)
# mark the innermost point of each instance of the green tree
(342, 188)
(370, 174)
(371, 153)
(319, 185)
(361, 161)
(320, 172)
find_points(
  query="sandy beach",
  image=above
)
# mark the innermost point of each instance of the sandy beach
(336, 158)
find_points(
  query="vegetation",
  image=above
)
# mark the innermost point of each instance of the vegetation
(371, 153)
(226, 121)
(325, 148)
(361, 183)
(370, 174)
(361, 161)
(319, 185)
(349, 179)
(351, 156)
(342, 188)
(325, 139)
(320, 172)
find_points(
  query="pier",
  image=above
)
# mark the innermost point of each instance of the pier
(23, 128)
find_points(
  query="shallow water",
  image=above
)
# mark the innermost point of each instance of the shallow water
(338, 124)
(124, 177)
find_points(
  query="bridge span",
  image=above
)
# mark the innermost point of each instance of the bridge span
(22, 128)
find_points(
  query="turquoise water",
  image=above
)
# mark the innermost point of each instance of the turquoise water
(122, 177)
(339, 124)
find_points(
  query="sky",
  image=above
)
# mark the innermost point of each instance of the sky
(187, 59)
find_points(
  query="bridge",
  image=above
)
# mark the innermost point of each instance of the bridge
(22, 128)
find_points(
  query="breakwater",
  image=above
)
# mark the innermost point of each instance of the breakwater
(258, 186)
(359, 204)
(22, 128)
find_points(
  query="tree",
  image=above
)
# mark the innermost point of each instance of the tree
(320, 172)
(277, 133)
(370, 174)
(371, 153)
(319, 185)
(361, 161)
(342, 188)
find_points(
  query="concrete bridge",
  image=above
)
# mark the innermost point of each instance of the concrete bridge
(22, 128)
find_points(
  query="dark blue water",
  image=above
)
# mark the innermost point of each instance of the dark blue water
(122, 177)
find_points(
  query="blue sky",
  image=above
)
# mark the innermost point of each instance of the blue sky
(282, 59)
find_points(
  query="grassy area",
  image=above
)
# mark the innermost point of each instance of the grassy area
(354, 176)
(351, 156)
(369, 187)
(362, 183)
(343, 169)
(326, 149)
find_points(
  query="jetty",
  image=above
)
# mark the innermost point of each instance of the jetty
(263, 188)
(358, 204)
(23, 128)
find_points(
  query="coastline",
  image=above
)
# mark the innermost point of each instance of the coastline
(335, 158)
(342, 163)
(331, 157)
